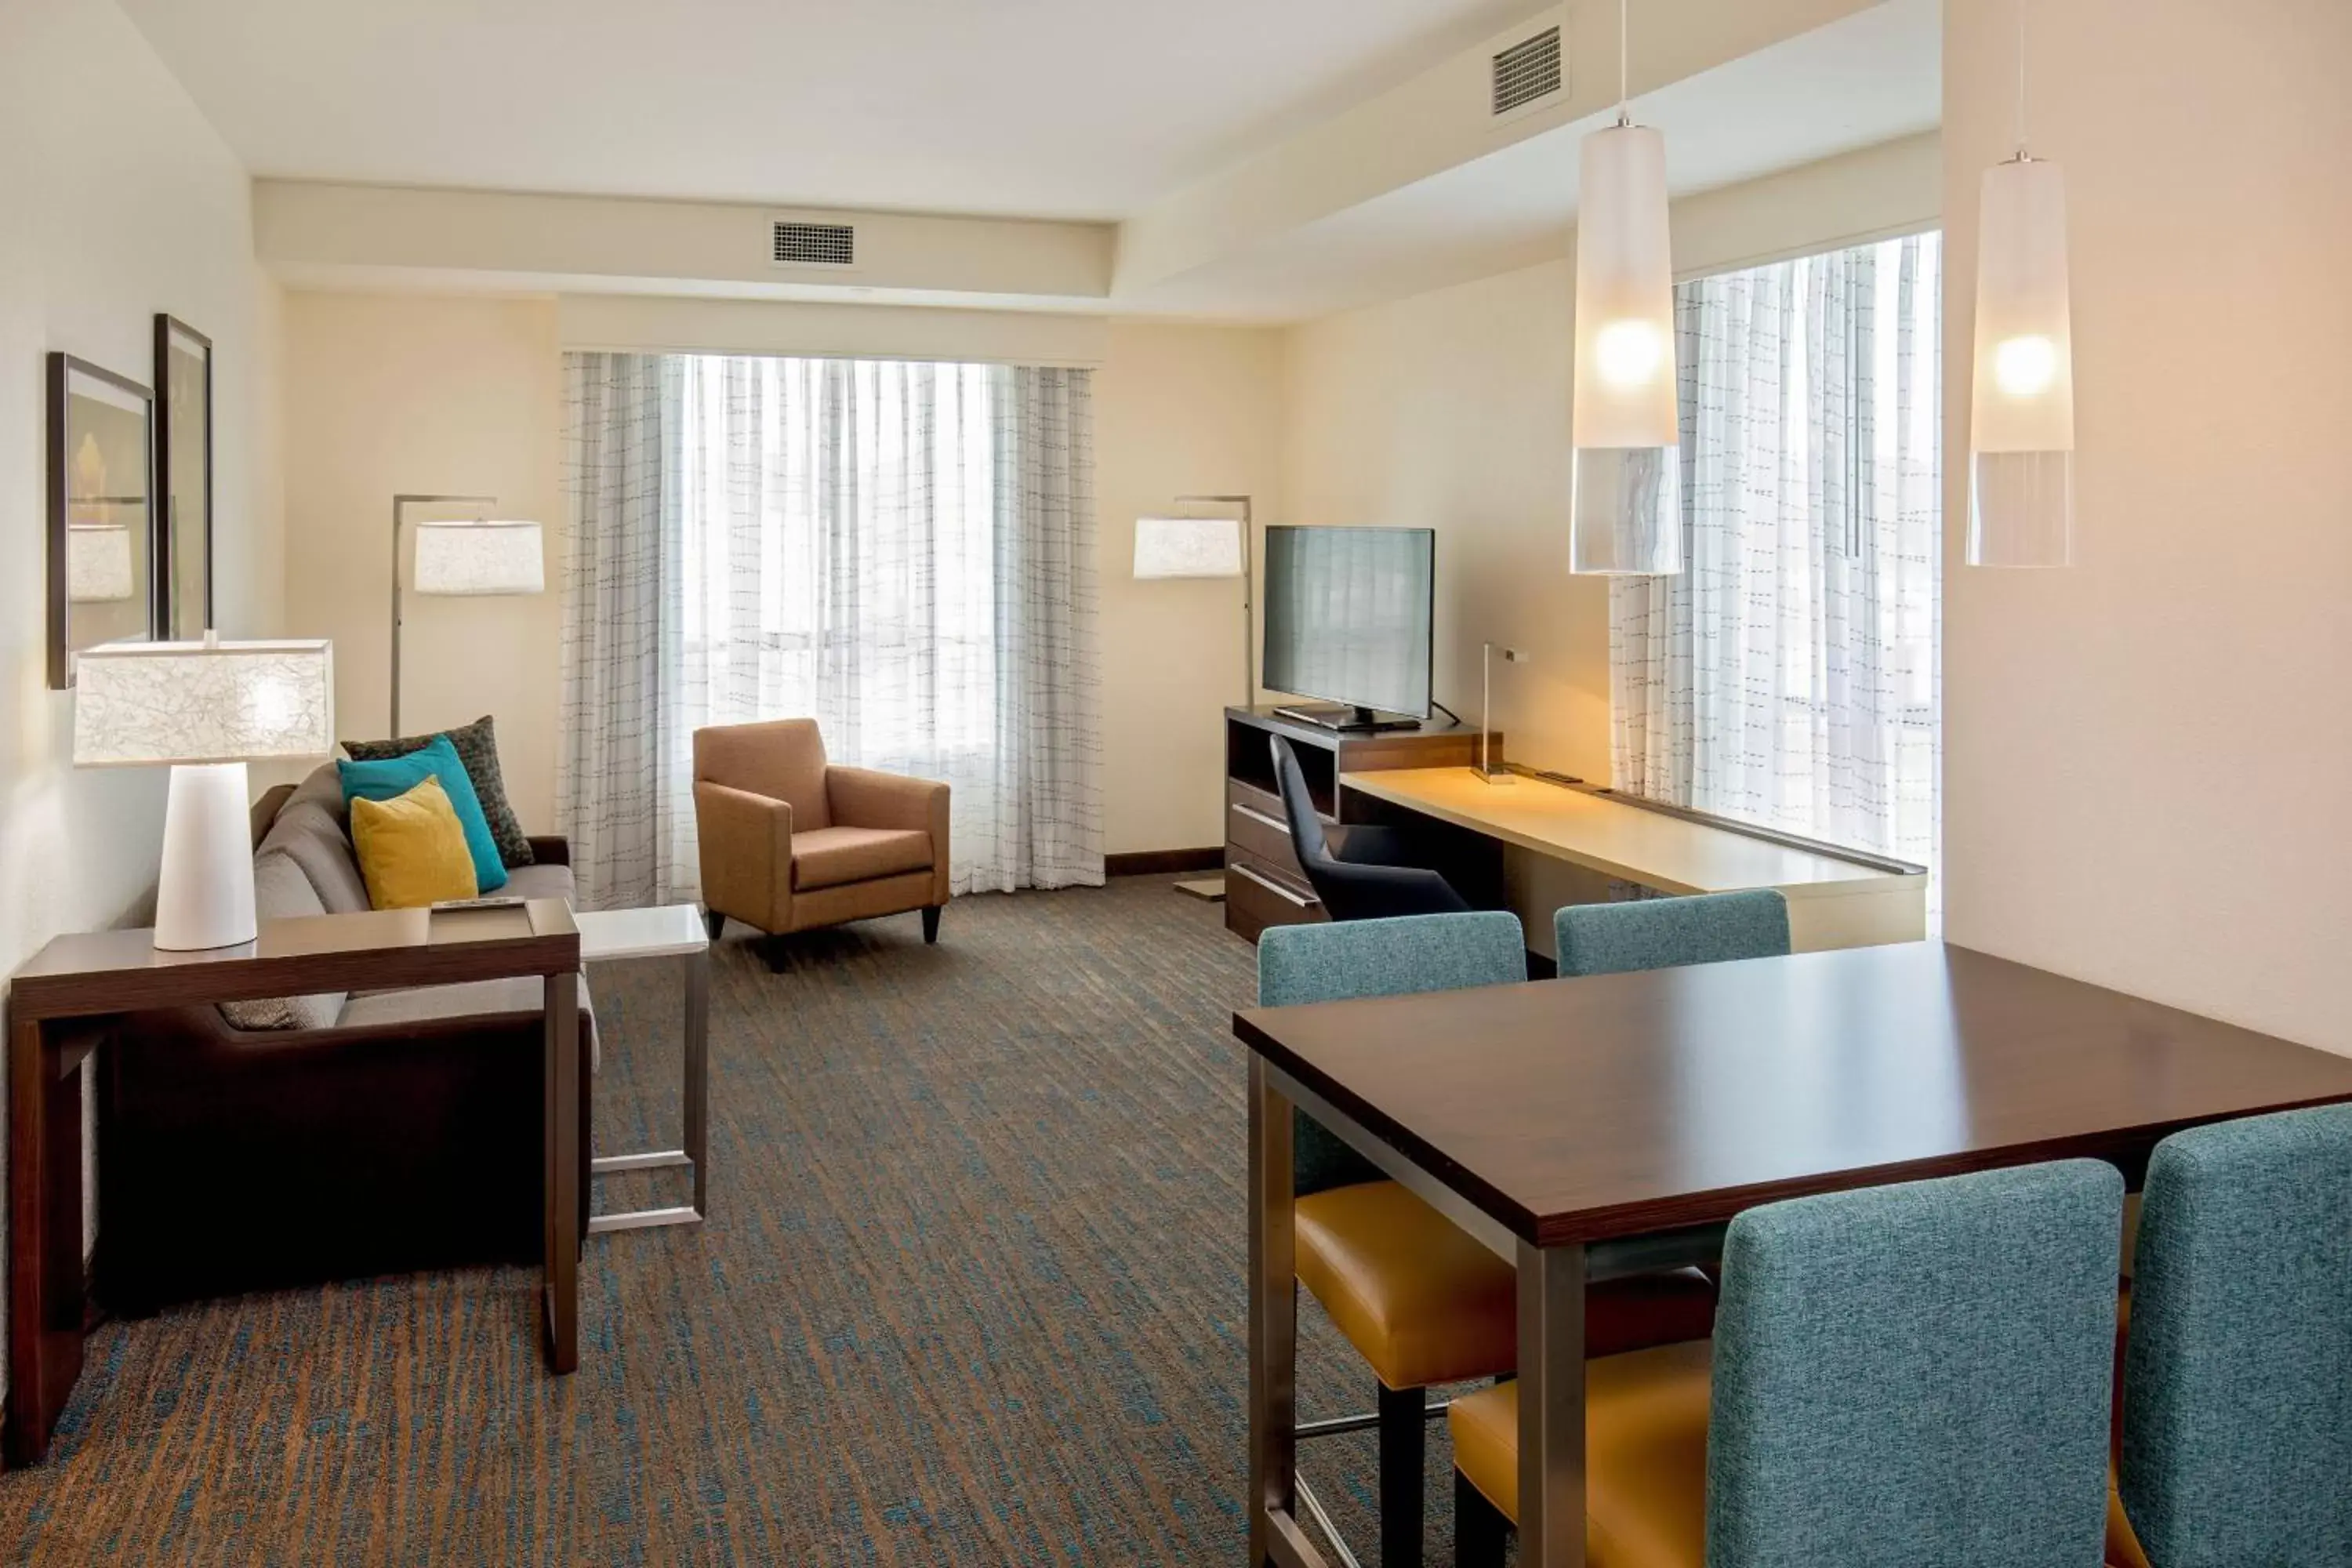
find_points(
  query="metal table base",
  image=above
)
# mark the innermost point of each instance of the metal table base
(696, 1152)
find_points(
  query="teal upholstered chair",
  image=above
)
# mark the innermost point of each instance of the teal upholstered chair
(1667, 933)
(2237, 1422)
(1918, 1374)
(1421, 1301)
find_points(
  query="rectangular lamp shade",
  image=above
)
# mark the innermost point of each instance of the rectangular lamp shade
(479, 558)
(145, 704)
(1187, 547)
(98, 563)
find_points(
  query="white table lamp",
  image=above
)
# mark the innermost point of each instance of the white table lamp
(207, 709)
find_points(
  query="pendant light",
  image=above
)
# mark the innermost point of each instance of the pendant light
(2022, 429)
(1625, 508)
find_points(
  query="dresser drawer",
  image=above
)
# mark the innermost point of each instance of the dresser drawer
(1264, 835)
(1258, 895)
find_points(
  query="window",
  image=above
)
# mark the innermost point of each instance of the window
(899, 551)
(1790, 675)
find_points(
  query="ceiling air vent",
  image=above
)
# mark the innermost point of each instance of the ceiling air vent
(814, 245)
(1527, 71)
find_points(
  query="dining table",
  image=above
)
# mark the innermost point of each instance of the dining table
(1589, 1129)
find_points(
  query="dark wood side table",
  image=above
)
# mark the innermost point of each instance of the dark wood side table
(62, 1003)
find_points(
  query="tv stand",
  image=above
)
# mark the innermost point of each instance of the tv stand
(1344, 718)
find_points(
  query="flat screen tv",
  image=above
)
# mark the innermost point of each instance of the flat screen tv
(1348, 621)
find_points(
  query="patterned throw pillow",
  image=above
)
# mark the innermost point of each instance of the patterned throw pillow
(478, 748)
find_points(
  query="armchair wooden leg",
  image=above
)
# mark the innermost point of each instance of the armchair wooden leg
(931, 922)
(716, 921)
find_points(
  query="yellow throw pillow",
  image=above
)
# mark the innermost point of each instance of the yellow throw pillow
(412, 848)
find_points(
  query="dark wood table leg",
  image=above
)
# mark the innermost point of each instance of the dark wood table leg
(561, 1186)
(45, 1266)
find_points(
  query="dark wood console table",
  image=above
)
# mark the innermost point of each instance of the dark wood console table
(61, 1003)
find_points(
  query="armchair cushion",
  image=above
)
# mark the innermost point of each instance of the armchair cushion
(831, 857)
(782, 760)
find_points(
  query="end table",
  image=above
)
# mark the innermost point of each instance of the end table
(673, 930)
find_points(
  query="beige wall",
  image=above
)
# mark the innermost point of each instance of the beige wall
(1450, 410)
(454, 394)
(116, 201)
(1178, 411)
(2148, 757)
(425, 394)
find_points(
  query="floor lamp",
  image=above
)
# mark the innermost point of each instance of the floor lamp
(478, 559)
(1176, 547)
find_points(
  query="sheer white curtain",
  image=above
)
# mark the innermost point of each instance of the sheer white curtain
(899, 551)
(1790, 675)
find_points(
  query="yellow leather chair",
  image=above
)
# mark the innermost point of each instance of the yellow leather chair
(789, 841)
(1871, 1346)
(1420, 1300)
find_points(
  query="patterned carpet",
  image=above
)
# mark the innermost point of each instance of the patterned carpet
(970, 1293)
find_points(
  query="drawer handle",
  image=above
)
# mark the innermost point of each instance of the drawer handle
(1255, 815)
(1276, 888)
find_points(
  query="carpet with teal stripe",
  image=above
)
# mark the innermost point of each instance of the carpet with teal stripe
(970, 1293)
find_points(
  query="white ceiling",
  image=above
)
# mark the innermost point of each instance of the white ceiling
(1082, 109)
(1869, 78)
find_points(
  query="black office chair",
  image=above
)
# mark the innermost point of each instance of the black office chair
(1369, 877)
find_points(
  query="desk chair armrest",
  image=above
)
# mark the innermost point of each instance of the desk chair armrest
(1365, 844)
(745, 843)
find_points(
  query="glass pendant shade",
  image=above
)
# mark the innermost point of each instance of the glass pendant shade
(1625, 514)
(2021, 427)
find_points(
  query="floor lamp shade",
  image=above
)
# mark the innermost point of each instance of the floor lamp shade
(1626, 508)
(2021, 422)
(206, 709)
(479, 558)
(1188, 547)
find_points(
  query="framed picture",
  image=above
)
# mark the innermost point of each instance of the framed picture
(183, 468)
(102, 581)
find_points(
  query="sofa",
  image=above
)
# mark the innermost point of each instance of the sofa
(376, 1133)
(790, 841)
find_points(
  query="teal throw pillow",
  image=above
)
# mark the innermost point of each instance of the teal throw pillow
(396, 777)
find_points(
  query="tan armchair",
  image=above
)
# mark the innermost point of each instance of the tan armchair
(789, 843)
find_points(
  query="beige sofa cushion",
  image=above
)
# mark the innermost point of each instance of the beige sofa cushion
(831, 857)
(473, 999)
(311, 831)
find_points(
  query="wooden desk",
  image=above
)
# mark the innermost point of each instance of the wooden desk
(1589, 1129)
(1833, 901)
(60, 1005)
